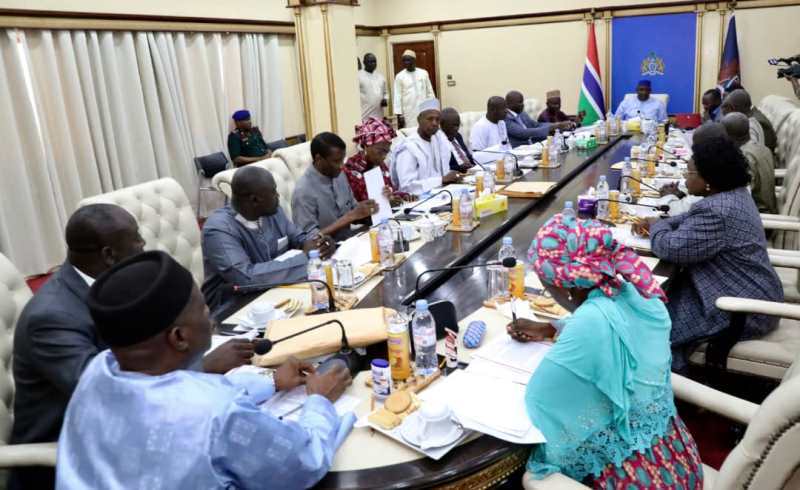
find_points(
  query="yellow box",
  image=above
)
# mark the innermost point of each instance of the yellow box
(490, 204)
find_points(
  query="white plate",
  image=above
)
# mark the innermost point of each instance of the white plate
(410, 432)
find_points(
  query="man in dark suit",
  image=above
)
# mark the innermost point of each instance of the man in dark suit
(522, 129)
(460, 158)
(56, 338)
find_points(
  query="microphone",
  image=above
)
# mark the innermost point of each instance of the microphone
(673, 164)
(407, 211)
(262, 346)
(252, 288)
(639, 181)
(661, 207)
(508, 262)
(517, 171)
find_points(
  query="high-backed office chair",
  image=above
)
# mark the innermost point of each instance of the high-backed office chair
(765, 458)
(533, 107)
(14, 294)
(277, 145)
(468, 120)
(207, 167)
(296, 157)
(662, 97)
(284, 180)
(165, 217)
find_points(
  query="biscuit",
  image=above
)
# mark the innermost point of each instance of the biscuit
(384, 419)
(397, 402)
(543, 302)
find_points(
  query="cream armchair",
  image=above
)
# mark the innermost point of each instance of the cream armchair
(767, 456)
(14, 294)
(662, 97)
(165, 217)
(296, 157)
(533, 107)
(284, 179)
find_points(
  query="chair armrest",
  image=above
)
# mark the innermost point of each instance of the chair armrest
(781, 225)
(556, 481)
(721, 403)
(785, 258)
(779, 217)
(37, 454)
(780, 173)
(771, 308)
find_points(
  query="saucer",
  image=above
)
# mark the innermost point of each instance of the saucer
(410, 432)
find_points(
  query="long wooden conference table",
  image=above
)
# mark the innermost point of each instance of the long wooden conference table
(485, 461)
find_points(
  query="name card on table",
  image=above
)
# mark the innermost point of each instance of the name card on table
(364, 327)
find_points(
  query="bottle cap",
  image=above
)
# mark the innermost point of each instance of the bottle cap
(421, 305)
(602, 178)
(507, 240)
(568, 205)
(314, 254)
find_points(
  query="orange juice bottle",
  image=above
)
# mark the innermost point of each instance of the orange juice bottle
(500, 170)
(613, 205)
(478, 183)
(373, 243)
(517, 276)
(327, 266)
(399, 347)
(456, 213)
(651, 165)
(545, 155)
(636, 175)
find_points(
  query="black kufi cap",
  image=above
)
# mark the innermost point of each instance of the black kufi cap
(139, 298)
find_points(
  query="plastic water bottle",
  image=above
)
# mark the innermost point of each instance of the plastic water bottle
(498, 274)
(553, 152)
(602, 193)
(624, 181)
(611, 127)
(386, 243)
(558, 140)
(319, 295)
(466, 209)
(488, 182)
(423, 329)
(568, 211)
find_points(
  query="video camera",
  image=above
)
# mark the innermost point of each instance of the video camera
(789, 67)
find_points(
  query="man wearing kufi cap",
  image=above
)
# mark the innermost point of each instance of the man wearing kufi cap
(762, 164)
(552, 112)
(412, 86)
(246, 143)
(422, 160)
(642, 106)
(142, 416)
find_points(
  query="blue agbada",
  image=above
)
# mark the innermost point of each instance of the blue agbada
(187, 429)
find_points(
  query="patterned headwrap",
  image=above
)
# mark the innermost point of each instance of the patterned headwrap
(568, 252)
(373, 130)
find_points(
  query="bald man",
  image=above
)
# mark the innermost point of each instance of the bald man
(251, 241)
(490, 130)
(56, 337)
(762, 164)
(460, 156)
(522, 129)
(739, 101)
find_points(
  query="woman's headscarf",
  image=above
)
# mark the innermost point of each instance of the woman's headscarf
(569, 252)
(373, 130)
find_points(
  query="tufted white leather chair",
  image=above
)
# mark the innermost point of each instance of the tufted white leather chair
(662, 97)
(165, 217)
(14, 294)
(468, 120)
(284, 179)
(767, 456)
(533, 107)
(296, 157)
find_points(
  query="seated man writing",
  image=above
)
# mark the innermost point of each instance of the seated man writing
(142, 416)
(251, 241)
(323, 202)
(423, 159)
(245, 143)
(56, 337)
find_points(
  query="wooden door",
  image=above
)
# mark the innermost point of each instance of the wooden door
(426, 59)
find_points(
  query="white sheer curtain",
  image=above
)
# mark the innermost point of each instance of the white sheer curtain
(116, 109)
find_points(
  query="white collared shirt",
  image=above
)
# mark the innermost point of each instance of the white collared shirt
(485, 134)
(88, 279)
(250, 225)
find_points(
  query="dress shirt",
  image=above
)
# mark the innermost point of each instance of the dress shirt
(523, 130)
(319, 201)
(87, 279)
(411, 88)
(420, 165)
(632, 107)
(461, 158)
(241, 252)
(186, 429)
(372, 87)
(485, 134)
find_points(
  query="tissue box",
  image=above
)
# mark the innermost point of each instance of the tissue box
(490, 204)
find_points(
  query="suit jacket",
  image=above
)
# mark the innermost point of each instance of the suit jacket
(459, 140)
(523, 130)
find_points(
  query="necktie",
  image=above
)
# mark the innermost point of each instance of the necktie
(461, 155)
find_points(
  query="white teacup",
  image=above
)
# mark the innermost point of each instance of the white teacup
(261, 313)
(408, 232)
(434, 422)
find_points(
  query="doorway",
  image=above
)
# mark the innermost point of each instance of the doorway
(426, 59)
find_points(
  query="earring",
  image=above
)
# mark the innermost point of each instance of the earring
(708, 188)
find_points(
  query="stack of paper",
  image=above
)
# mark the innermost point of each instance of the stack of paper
(357, 249)
(287, 405)
(527, 189)
(624, 235)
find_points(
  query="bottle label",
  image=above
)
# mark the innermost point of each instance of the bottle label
(450, 348)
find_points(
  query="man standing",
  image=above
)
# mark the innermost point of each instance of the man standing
(372, 86)
(143, 417)
(643, 106)
(56, 337)
(412, 86)
(323, 202)
(251, 241)
(422, 161)
(552, 112)
(245, 142)
(712, 100)
(762, 164)
(522, 130)
(461, 157)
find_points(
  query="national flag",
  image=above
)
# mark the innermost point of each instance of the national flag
(729, 69)
(591, 98)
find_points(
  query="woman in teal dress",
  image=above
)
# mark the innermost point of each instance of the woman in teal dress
(602, 395)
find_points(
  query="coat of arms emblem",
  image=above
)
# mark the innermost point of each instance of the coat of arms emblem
(652, 65)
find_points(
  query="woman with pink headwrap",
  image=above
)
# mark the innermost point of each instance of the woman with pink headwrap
(602, 395)
(374, 139)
